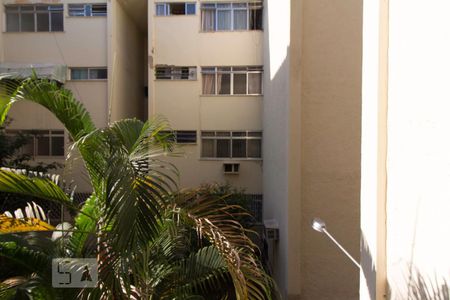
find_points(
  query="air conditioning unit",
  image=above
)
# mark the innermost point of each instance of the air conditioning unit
(271, 232)
(231, 168)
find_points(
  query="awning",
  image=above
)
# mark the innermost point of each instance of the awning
(50, 71)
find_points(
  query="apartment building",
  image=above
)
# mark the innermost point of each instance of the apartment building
(226, 75)
(266, 95)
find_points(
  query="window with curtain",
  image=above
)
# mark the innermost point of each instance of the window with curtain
(231, 144)
(34, 18)
(231, 16)
(232, 80)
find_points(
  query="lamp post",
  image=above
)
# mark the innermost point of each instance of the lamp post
(320, 226)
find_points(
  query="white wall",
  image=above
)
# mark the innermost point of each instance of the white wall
(418, 206)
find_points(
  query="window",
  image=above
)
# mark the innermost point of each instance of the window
(87, 10)
(42, 142)
(232, 80)
(178, 8)
(231, 168)
(34, 18)
(176, 73)
(231, 16)
(231, 144)
(181, 136)
(88, 73)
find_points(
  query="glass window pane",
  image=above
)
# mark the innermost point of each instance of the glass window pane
(99, 9)
(99, 73)
(254, 83)
(27, 22)
(223, 148)
(12, 22)
(28, 7)
(76, 9)
(240, 84)
(208, 148)
(223, 5)
(57, 20)
(185, 137)
(79, 74)
(240, 20)
(177, 8)
(223, 133)
(239, 148)
(11, 8)
(209, 84)
(57, 146)
(190, 8)
(43, 144)
(224, 20)
(160, 9)
(28, 148)
(255, 19)
(254, 148)
(208, 20)
(42, 22)
(223, 84)
(208, 133)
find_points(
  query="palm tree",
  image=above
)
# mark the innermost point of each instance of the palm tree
(150, 241)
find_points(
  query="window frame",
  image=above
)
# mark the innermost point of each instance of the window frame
(233, 6)
(89, 69)
(174, 135)
(175, 73)
(230, 136)
(35, 11)
(35, 134)
(166, 9)
(232, 72)
(87, 9)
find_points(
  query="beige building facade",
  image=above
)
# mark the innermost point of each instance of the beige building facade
(305, 104)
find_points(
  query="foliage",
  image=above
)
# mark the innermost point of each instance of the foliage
(150, 241)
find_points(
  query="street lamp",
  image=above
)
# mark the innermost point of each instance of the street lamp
(320, 226)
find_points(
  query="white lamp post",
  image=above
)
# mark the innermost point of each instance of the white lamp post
(320, 226)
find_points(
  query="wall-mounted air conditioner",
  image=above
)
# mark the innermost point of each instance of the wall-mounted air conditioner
(272, 232)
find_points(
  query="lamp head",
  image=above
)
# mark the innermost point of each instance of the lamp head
(318, 225)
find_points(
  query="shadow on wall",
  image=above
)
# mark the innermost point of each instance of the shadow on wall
(422, 287)
(368, 267)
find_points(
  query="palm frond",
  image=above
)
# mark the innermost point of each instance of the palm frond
(58, 100)
(213, 220)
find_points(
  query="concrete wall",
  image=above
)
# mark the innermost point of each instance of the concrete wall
(408, 233)
(418, 150)
(178, 41)
(330, 145)
(314, 79)
(127, 69)
(276, 143)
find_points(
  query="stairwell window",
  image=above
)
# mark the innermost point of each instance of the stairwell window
(88, 10)
(231, 144)
(175, 73)
(232, 80)
(34, 18)
(231, 16)
(88, 73)
(176, 8)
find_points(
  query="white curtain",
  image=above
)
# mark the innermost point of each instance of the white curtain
(208, 20)
(208, 84)
(224, 20)
(240, 20)
(254, 83)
